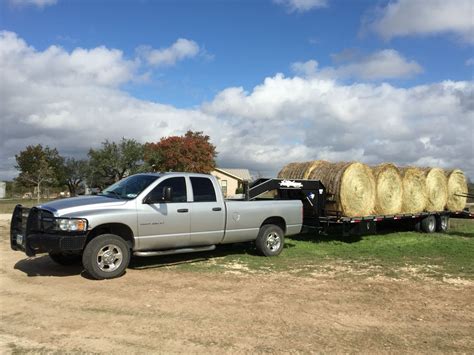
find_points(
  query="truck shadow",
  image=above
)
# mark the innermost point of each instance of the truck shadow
(191, 258)
(44, 266)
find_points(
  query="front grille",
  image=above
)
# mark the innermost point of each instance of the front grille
(72, 243)
(40, 221)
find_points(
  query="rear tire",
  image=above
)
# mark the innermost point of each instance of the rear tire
(65, 258)
(428, 224)
(270, 240)
(442, 224)
(106, 257)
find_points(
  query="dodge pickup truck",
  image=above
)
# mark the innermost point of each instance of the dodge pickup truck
(148, 215)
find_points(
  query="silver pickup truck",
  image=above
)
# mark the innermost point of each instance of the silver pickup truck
(149, 215)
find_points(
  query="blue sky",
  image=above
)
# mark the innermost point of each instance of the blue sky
(398, 44)
(245, 40)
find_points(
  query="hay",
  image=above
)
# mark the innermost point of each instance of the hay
(352, 184)
(436, 189)
(294, 171)
(310, 167)
(389, 187)
(285, 171)
(456, 185)
(414, 190)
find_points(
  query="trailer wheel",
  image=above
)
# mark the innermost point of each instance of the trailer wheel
(106, 256)
(428, 224)
(442, 224)
(270, 240)
(65, 258)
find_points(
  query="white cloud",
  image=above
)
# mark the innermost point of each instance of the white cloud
(422, 17)
(309, 68)
(181, 49)
(302, 5)
(283, 119)
(383, 64)
(37, 3)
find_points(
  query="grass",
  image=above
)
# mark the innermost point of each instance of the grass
(393, 254)
(7, 205)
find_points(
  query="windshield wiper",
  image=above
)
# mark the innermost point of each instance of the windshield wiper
(114, 193)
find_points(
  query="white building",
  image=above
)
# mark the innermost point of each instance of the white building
(3, 188)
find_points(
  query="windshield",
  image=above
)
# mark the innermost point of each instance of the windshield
(130, 187)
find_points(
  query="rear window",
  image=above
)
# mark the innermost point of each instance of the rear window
(203, 190)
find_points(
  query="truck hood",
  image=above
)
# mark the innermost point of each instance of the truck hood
(80, 204)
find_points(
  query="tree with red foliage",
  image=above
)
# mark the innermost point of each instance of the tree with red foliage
(189, 153)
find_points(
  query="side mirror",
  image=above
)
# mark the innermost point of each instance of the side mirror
(148, 200)
(167, 193)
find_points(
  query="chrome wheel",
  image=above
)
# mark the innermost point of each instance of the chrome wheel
(273, 241)
(109, 258)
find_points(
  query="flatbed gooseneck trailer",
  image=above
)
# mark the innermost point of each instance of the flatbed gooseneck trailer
(319, 218)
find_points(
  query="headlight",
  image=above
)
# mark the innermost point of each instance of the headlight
(71, 225)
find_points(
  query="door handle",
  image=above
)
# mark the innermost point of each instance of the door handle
(217, 209)
(183, 210)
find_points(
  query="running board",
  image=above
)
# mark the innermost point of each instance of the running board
(174, 251)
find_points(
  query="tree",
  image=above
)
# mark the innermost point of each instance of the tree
(191, 153)
(75, 173)
(114, 161)
(38, 166)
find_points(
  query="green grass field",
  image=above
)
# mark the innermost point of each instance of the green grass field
(7, 205)
(394, 254)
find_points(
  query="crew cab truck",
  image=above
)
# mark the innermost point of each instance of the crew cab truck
(148, 215)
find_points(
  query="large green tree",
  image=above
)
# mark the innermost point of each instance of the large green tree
(192, 152)
(39, 167)
(114, 161)
(75, 173)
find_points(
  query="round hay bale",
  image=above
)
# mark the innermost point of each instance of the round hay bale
(457, 185)
(389, 187)
(352, 184)
(294, 171)
(310, 167)
(286, 170)
(299, 171)
(436, 189)
(414, 190)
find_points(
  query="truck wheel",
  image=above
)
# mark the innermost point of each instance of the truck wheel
(270, 240)
(65, 258)
(428, 224)
(442, 224)
(106, 256)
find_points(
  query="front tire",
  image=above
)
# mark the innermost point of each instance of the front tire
(106, 257)
(65, 258)
(270, 240)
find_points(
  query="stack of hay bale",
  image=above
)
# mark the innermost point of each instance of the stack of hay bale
(359, 190)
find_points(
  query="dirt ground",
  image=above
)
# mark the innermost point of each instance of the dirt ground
(48, 308)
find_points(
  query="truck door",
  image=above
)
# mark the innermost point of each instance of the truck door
(164, 224)
(207, 213)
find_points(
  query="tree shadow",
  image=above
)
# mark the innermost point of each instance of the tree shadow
(44, 266)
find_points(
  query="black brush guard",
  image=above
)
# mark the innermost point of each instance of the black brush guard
(36, 228)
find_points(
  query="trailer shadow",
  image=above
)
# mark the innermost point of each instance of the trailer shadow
(44, 266)
(324, 238)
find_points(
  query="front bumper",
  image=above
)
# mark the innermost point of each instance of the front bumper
(31, 237)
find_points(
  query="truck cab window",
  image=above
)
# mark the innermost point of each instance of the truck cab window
(178, 186)
(203, 190)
